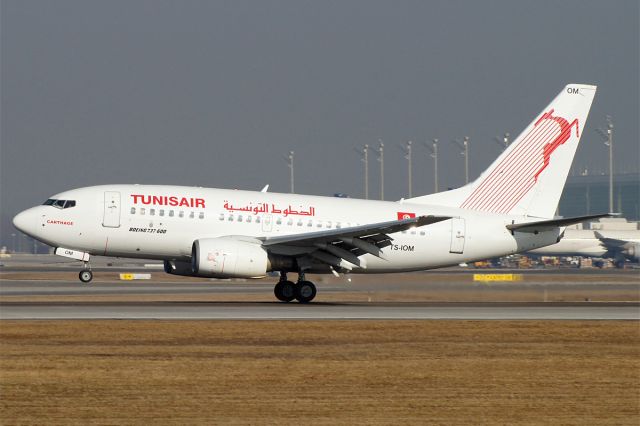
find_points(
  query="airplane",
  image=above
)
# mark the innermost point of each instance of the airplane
(220, 233)
(617, 245)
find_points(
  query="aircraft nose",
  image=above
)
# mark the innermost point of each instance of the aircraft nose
(25, 221)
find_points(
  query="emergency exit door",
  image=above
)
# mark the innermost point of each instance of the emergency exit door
(267, 223)
(457, 235)
(111, 217)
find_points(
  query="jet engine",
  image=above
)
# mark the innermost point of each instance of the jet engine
(228, 258)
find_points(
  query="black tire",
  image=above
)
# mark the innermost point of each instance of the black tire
(285, 291)
(305, 291)
(85, 276)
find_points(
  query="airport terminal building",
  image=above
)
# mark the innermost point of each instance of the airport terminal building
(589, 194)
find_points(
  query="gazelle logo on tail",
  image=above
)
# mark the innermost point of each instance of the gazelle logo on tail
(565, 134)
(518, 172)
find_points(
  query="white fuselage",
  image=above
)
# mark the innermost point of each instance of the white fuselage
(162, 222)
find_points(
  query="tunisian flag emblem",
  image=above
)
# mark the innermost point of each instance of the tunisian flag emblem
(405, 215)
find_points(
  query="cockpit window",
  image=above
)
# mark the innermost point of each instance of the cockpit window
(60, 204)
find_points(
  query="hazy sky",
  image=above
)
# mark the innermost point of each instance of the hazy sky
(215, 93)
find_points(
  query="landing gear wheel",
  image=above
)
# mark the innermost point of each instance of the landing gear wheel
(305, 291)
(285, 291)
(85, 276)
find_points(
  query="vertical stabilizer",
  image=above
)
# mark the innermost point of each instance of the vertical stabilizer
(529, 176)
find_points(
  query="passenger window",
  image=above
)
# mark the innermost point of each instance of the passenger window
(421, 232)
(161, 212)
(133, 210)
(240, 218)
(170, 213)
(142, 210)
(258, 219)
(300, 222)
(290, 222)
(221, 217)
(328, 224)
(201, 215)
(152, 212)
(338, 225)
(192, 215)
(230, 218)
(248, 219)
(279, 221)
(310, 224)
(181, 214)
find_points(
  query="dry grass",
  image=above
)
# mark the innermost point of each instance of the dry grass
(332, 372)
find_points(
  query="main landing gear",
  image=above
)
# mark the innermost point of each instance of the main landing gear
(86, 275)
(303, 291)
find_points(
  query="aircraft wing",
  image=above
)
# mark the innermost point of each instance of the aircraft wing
(610, 242)
(334, 245)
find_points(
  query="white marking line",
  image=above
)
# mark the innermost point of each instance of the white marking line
(317, 312)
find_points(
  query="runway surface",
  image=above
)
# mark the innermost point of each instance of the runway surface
(319, 311)
(389, 297)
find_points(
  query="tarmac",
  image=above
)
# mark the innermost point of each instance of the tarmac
(43, 288)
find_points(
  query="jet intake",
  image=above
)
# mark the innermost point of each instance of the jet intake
(228, 258)
(178, 267)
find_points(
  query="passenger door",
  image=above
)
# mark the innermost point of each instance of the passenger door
(111, 217)
(457, 235)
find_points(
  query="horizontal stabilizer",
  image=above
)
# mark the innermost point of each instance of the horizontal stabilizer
(545, 225)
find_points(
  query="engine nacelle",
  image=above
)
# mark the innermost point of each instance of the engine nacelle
(228, 258)
(178, 267)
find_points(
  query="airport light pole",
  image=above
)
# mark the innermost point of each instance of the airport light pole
(464, 146)
(289, 160)
(408, 153)
(608, 141)
(13, 244)
(433, 149)
(381, 160)
(365, 160)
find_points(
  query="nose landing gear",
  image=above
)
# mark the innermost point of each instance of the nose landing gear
(303, 291)
(86, 275)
